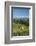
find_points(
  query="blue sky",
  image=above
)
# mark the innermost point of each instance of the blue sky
(20, 12)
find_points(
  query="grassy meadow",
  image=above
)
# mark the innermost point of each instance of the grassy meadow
(20, 27)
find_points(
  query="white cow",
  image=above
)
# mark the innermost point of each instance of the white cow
(22, 28)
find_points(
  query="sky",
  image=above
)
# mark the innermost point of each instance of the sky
(20, 12)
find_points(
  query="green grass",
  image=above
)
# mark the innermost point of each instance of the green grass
(20, 29)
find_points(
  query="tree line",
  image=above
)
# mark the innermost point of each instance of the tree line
(21, 21)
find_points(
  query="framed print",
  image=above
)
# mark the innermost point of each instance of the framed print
(19, 22)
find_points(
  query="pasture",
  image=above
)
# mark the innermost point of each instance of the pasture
(20, 29)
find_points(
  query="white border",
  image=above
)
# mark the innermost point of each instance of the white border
(30, 23)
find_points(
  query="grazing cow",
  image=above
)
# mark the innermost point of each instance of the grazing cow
(22, 28)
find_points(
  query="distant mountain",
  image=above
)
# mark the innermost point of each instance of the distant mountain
(21, 20)
(20, 17)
